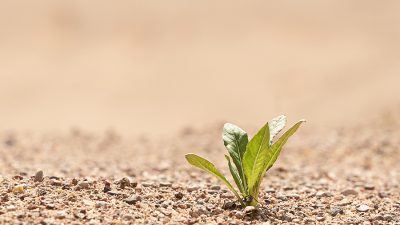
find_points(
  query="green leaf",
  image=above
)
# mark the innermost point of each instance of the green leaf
(276, 125)
(255, 156)
(277, 146)
(275, 150)
(235, 175)
(235, 141)
(207, 166)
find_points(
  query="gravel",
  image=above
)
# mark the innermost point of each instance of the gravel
(94, 179)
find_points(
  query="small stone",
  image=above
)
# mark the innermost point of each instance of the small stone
(239, 214)
(335, 210)
(344, 202)
(39, 176)
(132, 200)
(165, 184)
(115, 193)
(309, 220)
(50, 206)
(32, 207)
(363, 208)
(228, 205)
(178, 195)
(227, 195)
(147, 184)
(295, 196)
(383, 194)
(249, 210)
(100, 204)
(281, 197)
(192, 188)
(215, 187)
(41, 192)
(133, 183)
(349, 192)
(320, 194)
(320, 218)
(369, 187)
(74, 181)
(387, 217)
(124, 182)
(55, 182)
(18, 189)
(11, 208)
(198, 211)
(270, 190)
(288, 188)
(287, 217)
(378, 217)
(84, 185)
(107, 186)
(61, 215)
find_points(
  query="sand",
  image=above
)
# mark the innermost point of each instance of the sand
(350, 175)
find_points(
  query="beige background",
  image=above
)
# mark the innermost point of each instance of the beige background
(156, 66)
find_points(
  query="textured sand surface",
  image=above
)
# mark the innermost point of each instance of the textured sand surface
(346, 176)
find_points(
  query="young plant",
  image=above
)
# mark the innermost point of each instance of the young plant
(251, 160)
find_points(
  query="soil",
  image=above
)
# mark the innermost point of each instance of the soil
(348, 176)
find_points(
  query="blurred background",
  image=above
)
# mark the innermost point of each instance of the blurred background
(157, 66)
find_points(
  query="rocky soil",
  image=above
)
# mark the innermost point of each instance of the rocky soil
(346, 176)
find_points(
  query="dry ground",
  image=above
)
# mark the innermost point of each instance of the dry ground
(345, 176)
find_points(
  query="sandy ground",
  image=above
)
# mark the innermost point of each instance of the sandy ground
(347, 176)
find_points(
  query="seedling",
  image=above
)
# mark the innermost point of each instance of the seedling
(251, 160)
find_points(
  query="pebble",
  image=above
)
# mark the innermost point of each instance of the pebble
(320, 218)
(100, 204)
(383, 194)
(378, 217)
(281, 197)
(39, 176)
(228, 205)
(348, 192)
(18, 189)
(55, 182)
(249, 210)
(335, 210)
(309, 220)
(124, 182)
(387, 217)
(270, 190)
(369, 187)
(132, 200)
(107, 186)
(61, 215)
(192, 188)
(363, 208)
(11, 208)
(83, 185)
(239, 214)
(344, 202)
(178, 195)
(295, 196)
(215, 187)
(198, 211)
(147, 184)
(165, 184)
(320, 194)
